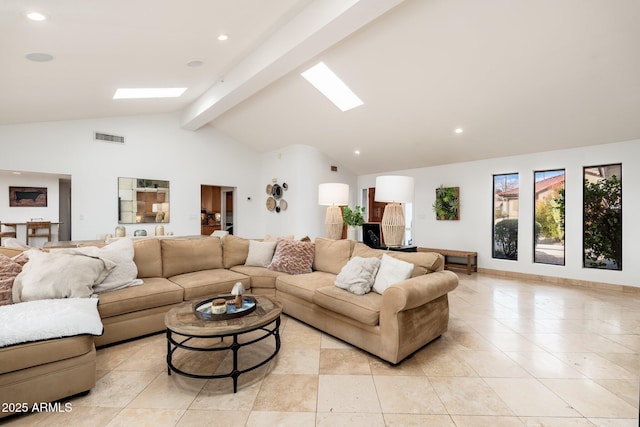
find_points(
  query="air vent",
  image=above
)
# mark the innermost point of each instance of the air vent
(108, 138)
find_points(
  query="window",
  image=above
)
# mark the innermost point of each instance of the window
(505, 216)
(602, 217)
(548, 234)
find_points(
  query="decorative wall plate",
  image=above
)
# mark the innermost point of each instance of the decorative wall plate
(276, 191)
(269, 189)
(271, 204)
(283, 205)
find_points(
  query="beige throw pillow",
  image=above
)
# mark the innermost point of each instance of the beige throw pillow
(260, 253)
(119, 251)
(50, 275)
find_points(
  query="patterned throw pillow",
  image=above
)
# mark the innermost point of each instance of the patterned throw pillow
(293, 257)
(9, 269)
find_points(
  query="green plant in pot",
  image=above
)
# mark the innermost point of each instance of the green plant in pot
(447, 203)
(353, 219)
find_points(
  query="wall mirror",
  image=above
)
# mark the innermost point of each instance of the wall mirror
(142, 201)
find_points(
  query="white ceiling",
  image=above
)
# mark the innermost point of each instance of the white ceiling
(518, 76)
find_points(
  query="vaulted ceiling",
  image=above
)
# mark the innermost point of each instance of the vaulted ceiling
(516, 76)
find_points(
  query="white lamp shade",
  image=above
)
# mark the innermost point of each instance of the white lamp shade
(394, 188)
(333, 194)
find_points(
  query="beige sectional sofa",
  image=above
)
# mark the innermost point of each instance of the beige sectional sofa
(391, 326)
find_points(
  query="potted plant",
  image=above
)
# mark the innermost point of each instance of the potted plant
(353, 219)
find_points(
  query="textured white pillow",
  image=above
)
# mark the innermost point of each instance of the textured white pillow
(391, 271)
(121, 252)
(357, 275)
(59, 275)
(260, 253)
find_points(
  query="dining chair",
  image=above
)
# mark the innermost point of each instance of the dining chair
(7, 233)
(37, 229)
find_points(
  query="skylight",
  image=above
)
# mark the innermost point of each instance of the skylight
(330, 85)
(149, 92)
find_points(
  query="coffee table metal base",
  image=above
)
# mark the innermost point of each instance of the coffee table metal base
(177, 341)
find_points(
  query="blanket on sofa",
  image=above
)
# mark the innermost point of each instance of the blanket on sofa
(46, 319)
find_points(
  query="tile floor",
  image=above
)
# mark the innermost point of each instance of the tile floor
(516, 354)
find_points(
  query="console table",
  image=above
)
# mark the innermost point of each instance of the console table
(471, 264)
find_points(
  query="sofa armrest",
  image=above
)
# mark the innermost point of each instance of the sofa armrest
(418, 291)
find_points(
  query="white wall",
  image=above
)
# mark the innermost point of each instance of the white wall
(302, 167)
(473, 230)
(155, 148)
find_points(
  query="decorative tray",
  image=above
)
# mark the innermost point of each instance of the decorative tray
(202, 309)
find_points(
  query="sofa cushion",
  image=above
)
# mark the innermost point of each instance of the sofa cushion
(293, 257)
(362, 308)
(260, 277)
(154, 292)
(391, 271)
(331, 255)
(260, 253)
(358, 275)
(235, 251)
(187, 255)
(17, 357)
(147, 256)
(304, 285)
(423, 262)
(209, 283)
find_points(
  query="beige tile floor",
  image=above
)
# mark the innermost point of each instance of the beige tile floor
(516, 354)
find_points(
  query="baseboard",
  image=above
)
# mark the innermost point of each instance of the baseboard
(561, 280)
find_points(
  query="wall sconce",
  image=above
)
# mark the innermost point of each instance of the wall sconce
(394, 190)
(333, 195)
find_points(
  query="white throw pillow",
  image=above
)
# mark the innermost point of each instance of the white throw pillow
(358, 275)
(391, 271)
(50, 275)
(121, 252)
(260, 253)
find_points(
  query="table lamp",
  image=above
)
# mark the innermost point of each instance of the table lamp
(333, 195)
(394, 190)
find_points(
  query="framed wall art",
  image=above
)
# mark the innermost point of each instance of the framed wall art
(28, 197)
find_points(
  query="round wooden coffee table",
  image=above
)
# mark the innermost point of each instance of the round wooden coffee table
(183, 326)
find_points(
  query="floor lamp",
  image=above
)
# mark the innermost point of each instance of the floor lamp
(333, 195)
(394, 190)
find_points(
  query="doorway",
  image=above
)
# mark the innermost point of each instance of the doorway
(216, 209)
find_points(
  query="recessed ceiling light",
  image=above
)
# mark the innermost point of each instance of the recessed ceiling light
(38, 57)
(36, 16)
(223, 37)
(330, 85)
(149, 92)
(194, 64)
(459, 130)
(356, 152)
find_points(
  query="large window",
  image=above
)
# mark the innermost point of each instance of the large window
(506, 204)
(548, 239)
(602, 217)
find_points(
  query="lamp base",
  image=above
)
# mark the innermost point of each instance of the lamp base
(334, 223)
(393, 224)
